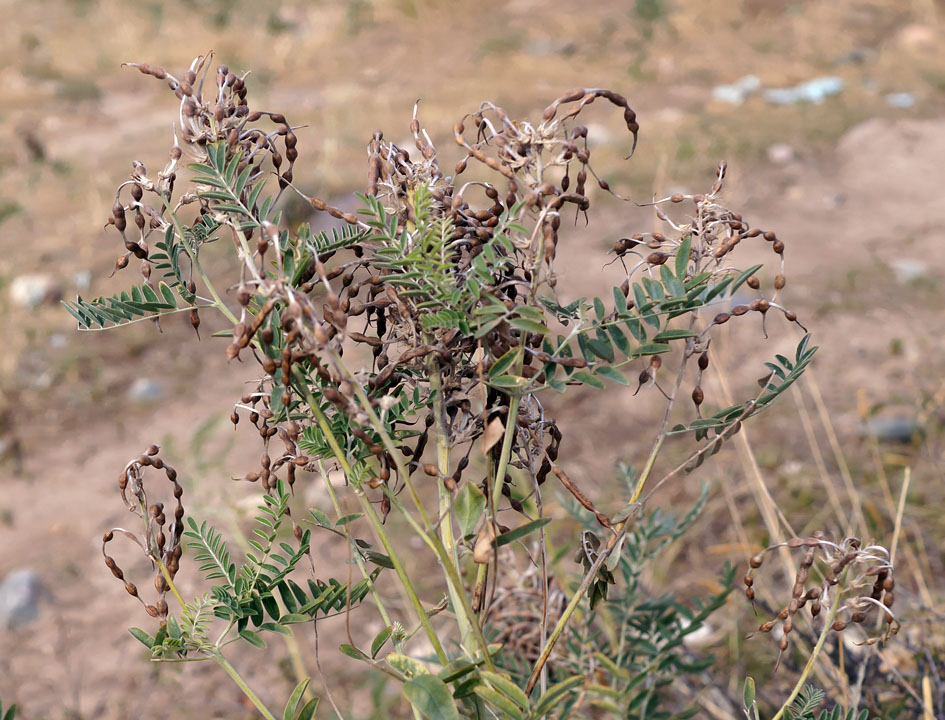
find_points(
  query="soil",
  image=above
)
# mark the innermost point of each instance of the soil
(857, 201)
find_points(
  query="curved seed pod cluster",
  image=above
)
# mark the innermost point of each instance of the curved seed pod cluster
(313, 313)
(859, 579)
(162, 546)
(714, 231)
(212, 109)
(256, 406)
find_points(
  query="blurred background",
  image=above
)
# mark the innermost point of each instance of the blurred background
(829, 115)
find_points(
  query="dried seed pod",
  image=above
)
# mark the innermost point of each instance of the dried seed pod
(697, 396)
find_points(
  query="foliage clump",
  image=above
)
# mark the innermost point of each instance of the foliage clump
(408, 350)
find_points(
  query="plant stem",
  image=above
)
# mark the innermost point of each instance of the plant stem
(426, 531)
(828, 622)
(386, 439)
(612, 543)
(402, 575)
(359, 561)
(452, 575)
(371, 514)
(221, 306)
(444, 494)
(641, 481)
(500, 472)
(620, 530)
(169, 580)
(247, 691)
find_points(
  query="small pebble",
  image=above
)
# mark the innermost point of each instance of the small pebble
(145, 390)
(891, 429)
(781, 154)
(30, 291)
(900, 100)
(909, 269)
(20, 593)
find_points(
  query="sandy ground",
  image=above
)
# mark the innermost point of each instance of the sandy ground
(857, 202)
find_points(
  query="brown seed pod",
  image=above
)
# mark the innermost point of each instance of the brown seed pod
(697, 396)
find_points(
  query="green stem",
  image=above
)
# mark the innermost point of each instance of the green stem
(612, 543)
(386, 439)
(322, 421)
(247, 691)
(359, 561)
(828, 623)
(221, 306)
(169, 580)
(641, 481)
(500, 472)
(452, 576)
(426, 531)
(402, 575)
(445, 495)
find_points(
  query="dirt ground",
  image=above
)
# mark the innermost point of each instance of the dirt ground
(852, 185)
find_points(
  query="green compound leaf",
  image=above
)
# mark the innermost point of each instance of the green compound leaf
(470, 502)
(294, 699)
(430, 695)
(521, 531)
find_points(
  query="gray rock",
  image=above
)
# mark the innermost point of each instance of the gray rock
(900, 100)
(82, 280)
(30, 291)
(812, 91)
(781, 153)
(736, 92)
(891, 429)
(145, 390)
(20, 593)
(909, 269)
